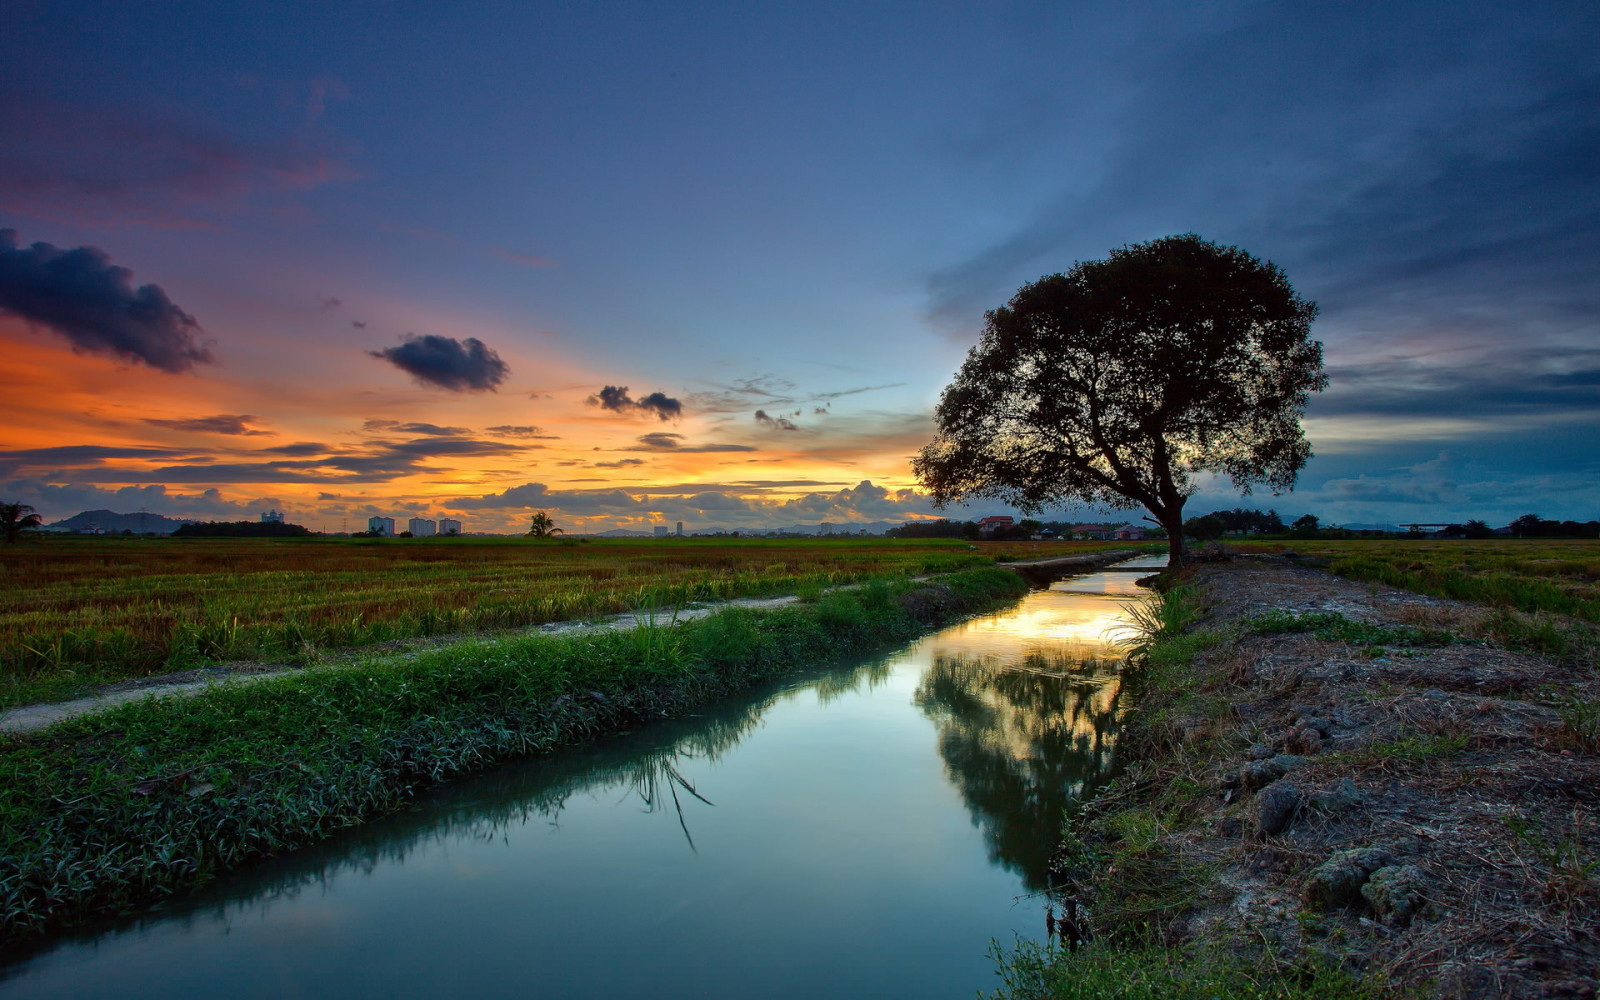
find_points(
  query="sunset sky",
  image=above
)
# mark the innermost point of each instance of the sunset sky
(638, 263)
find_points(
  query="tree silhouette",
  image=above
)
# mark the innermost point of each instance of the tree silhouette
(1118, 383)
(15, 518)
(542, 526)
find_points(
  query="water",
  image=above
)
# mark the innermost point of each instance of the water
(861, 832)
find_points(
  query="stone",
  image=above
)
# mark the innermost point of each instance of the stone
(1395, 892)
(1302, 740)
(1275, 807)
(1323, 726)
(1338, 880)
(1260, 773)
(1343, 795)
(1258, 751)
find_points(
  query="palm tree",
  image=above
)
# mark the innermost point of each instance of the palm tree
(15, 518)
(542, 526)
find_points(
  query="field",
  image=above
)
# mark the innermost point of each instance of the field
(85, 611)
(1544, 576)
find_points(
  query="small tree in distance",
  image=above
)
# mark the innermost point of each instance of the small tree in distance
(542, 526)
(15, 518)
(1120, 382)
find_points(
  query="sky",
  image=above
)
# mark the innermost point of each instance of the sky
(637, 263)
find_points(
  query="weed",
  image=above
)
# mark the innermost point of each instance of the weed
(1033, 971)
(1331, 626)
(1564, 864)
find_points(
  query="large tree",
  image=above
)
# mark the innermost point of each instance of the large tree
(1122, 381)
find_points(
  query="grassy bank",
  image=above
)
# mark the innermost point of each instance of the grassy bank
(115, 810)
(1335, 789)
(1116, 860)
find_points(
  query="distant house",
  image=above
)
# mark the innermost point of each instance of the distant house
(1129, 533)
(995, 522)
(1090, 532)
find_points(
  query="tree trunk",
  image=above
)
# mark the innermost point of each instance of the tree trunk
(1177, 552)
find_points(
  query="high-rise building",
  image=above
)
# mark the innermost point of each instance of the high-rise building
(449, 526)
(662, 531)
(423, 527)
(381, 526)
(680, 529)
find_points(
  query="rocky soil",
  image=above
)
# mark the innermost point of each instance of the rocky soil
(1429, 812)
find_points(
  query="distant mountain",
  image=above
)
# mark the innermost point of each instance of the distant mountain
(141, 523)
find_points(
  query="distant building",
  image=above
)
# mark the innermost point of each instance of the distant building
(449, 526)
(680, 529)
(993, 523)
(272, 517)
(1129, 533)
(662, 531)
(423, 527)
(381, 526)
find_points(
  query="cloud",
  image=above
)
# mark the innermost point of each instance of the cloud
(520, 431)
(1434, 175)
(222, 423)
(616, 399)
(621, 463)
(330, 303)
(662, 441)
(81, 296)
(106, 166)
(405, 428)
(776, 423)
(56, 501)
(457, 365)
(725, 505)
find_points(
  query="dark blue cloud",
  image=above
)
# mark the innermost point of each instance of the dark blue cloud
(222, 423)
(82, 296)
(457, 365)
(616, 399)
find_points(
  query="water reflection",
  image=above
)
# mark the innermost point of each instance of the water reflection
(1021, 740)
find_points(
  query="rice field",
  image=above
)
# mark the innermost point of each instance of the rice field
(84, 611)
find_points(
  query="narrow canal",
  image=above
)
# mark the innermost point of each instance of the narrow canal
(863, 831)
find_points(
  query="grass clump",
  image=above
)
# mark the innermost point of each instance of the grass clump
(1332, 626)
(112, 810)
(1031, 971)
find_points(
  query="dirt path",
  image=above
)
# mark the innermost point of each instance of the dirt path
(27, 718)
(1427, 810)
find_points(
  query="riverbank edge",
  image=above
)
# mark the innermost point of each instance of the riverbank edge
(1177, 919)
(114, 811)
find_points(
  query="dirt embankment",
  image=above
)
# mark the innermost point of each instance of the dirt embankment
(1387, 790)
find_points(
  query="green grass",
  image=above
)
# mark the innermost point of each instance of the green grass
(1030, 971)
(1334, 627)
(112, 810)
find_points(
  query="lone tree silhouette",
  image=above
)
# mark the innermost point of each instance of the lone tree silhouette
(15, 518)
(1120, 382)
(542, 526)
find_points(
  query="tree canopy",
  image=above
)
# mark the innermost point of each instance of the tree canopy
(1122, 381)
(542, 526)
(15, 518)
